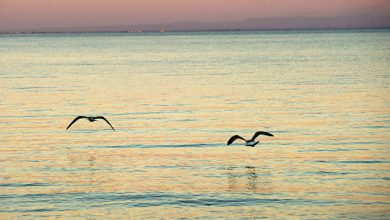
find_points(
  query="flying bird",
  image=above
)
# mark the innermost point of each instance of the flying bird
(252, 142)
(91, 119)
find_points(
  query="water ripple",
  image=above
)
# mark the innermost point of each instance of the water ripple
(62, 201)
(157, 146)
(24, 184)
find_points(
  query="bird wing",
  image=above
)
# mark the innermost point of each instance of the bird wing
(74, 120)
(259, 133)
(233, 138)
(101, 117)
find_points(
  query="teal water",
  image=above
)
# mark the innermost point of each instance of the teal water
(174, 100)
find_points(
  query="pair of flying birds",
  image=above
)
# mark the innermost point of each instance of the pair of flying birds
(252, 142)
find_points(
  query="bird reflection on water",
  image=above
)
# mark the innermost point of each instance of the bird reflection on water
(85, 164)
(252, 178)
(247, 178)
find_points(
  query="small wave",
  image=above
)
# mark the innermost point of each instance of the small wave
(329, 173)
(24, 184)
(374, 126)
(78, 201)
(229, 201)
(359, 143)
(352, 161)
(157, 146)
(333, 150)
(364, 161)
(35, 87)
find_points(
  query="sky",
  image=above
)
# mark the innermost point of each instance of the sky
(27, 14)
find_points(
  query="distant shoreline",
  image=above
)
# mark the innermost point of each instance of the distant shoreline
(250, 24)
(193, 31)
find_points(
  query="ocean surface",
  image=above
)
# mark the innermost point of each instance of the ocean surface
(174, 100)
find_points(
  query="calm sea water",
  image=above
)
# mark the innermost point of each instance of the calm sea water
(175, 99)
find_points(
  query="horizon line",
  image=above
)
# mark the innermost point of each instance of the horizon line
(248, 24)
(195, 30)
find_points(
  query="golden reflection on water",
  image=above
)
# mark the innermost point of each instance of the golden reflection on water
(195, 171)
(173, 116)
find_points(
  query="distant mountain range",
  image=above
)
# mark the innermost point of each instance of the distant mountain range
(265, 23)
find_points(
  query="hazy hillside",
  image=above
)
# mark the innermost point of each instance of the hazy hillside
(269, 23)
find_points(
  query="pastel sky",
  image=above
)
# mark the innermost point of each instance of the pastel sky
(21, 14)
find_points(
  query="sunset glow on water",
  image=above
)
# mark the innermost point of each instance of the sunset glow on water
(174, 100)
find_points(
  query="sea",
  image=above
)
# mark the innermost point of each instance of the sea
(174, 100)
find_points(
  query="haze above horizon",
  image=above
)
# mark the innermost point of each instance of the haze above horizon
(20, 15)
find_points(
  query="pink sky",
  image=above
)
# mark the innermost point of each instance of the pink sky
(21, 14)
